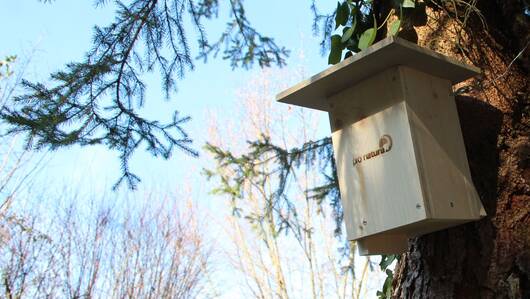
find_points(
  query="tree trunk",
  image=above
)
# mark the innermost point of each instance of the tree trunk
(489, 258)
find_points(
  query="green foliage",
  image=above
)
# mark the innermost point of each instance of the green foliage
(349, 31)
(394, 28)
(361, 22)
(335, 54)
(240, 43)
(387, 260)
(386, 291)
(342, 14)
(96, 101)
(233, 173)
(367, 38)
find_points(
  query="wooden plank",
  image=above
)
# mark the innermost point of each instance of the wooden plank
(439, 147)
(382, 190)
(389, 52)
(383, 244)
(365, 98)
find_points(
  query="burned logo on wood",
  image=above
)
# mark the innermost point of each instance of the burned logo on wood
(385, 145)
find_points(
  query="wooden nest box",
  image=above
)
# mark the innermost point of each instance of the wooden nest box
(400, 156)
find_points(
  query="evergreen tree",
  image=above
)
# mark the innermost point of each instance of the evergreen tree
(96, 101)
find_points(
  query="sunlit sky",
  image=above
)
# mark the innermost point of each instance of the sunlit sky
(50, 35)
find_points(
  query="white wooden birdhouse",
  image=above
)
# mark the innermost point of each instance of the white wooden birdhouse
(400, 156)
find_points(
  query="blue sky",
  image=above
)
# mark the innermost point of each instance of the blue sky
(51, 35)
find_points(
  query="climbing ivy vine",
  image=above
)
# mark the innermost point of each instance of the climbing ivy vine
(359, 23)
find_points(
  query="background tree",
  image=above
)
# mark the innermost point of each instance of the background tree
(145, 250)
(71, 246)
(283, 249)
(17, 165)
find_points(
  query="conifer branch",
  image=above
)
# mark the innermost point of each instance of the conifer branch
(282, 163)
(97, 100)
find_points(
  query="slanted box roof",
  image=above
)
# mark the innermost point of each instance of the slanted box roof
(387, 53)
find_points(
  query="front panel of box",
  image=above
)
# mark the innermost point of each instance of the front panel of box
(378, 175)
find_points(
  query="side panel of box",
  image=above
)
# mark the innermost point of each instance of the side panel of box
(378, 178)
(446, 181)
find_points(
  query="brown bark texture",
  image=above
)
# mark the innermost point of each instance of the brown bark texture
(489, 258)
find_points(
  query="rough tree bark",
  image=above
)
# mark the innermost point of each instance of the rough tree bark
(489, 258)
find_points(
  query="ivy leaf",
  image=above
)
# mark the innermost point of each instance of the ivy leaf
(408, 4)
(394, 28)
(367, 38)
(346, 36)
(343, 12)
(336, 49)
(349, 32)
(386, 260)
(387, 285)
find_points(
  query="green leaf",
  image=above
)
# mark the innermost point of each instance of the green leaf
(349, 32)
(342, 14)
(367, 38)
(394, 28)
(386, 260)
(346, 36)
(387, 285)
(336, 50)
(337, 21)
(408, 4)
